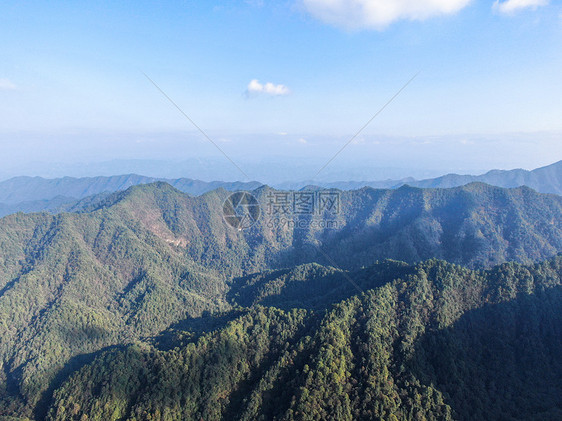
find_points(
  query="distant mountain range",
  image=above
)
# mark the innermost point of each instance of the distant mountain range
(25, 189)
(544, 180)
(36, 194)
(153, 262)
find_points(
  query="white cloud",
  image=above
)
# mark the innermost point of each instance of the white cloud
(6, 85)
(512, 6)
(302, 140)
(255, 87)
(378, 14)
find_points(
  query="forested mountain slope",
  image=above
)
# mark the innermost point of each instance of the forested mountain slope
(439, 342)
(138, 261)
(73, 284)
(474, 225)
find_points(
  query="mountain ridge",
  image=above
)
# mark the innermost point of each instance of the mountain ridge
(547, 179)
(397, 351)
(36, 193)
(144, 259)
(24, 188)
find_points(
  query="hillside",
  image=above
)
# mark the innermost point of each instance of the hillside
(72, 284)
(138, 261)
(439, 342)
(474, 225)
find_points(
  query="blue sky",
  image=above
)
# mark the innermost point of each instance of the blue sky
(295, 77)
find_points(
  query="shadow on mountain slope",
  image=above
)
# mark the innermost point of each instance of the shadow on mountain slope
(499, 362)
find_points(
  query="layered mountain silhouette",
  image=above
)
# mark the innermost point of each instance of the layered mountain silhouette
(137, 263)
(36, 194)
(544, 180)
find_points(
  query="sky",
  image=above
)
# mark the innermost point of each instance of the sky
(274, 80)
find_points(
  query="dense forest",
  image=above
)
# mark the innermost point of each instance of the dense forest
(436, 342)
(104, 309)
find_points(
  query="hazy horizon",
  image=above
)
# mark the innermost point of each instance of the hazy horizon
(210, 169)
(270, 82)
(368, 158)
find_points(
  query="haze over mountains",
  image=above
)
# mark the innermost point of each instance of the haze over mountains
(281, 210)
(35, 194)
(544, 180)
(126, 274)
(128, 268)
